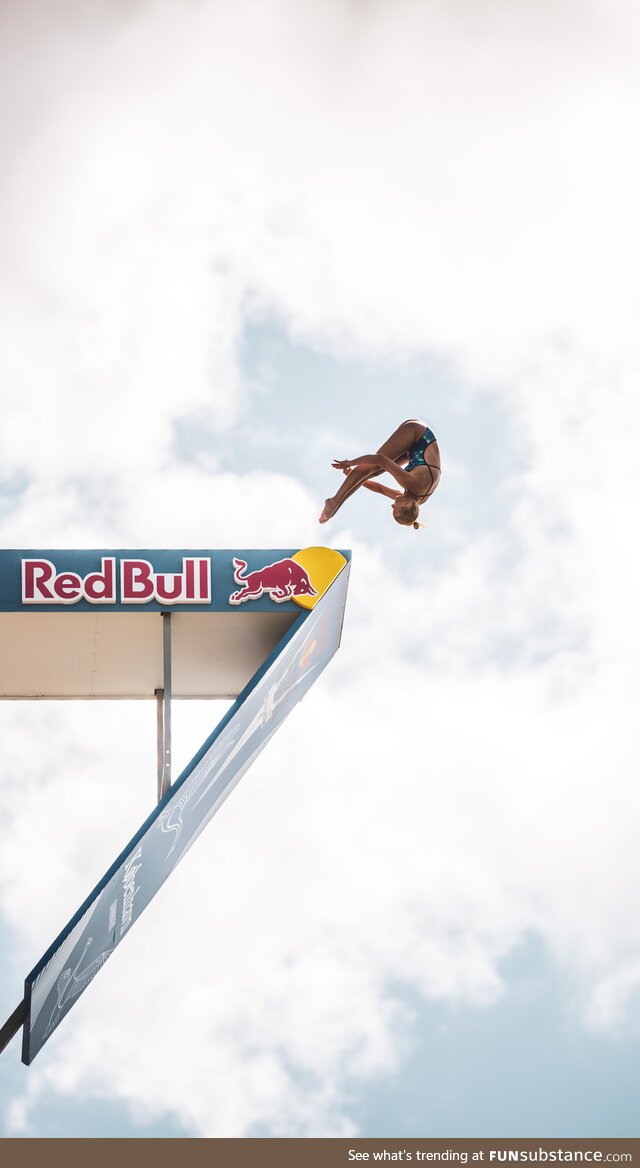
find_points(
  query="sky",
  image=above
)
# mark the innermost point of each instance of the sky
(236, 242)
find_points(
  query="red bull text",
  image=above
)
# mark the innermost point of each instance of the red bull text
(42, 583)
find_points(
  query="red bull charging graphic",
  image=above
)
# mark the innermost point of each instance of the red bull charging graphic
(282, 580)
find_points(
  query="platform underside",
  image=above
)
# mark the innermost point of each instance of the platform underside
(120, 654)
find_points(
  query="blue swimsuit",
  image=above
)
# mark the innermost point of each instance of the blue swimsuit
(416, 454)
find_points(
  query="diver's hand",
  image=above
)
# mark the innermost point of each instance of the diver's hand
(367, 461)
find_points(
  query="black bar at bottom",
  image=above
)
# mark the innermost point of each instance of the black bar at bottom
(12, 1026)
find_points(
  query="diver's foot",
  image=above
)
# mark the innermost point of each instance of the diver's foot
(328, 510)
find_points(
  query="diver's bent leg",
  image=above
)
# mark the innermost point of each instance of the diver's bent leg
(354, 479)
(398, 444)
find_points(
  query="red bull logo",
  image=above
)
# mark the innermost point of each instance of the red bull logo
(282, 580)
(42, 583)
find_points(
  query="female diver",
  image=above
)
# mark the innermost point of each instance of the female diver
(403, 455)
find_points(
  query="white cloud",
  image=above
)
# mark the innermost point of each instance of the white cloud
(175, 506)
(390, 179)
(415, 846)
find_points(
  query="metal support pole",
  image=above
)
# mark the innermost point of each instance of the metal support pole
(163, 697)
(166, 650)
(160, 739)
(12, 1026)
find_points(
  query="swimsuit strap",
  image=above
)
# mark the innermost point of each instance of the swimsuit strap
(432, 466)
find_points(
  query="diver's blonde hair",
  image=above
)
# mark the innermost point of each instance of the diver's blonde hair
(408, 515)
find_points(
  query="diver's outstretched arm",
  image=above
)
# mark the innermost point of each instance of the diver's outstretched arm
(380, 489)
(380, 463)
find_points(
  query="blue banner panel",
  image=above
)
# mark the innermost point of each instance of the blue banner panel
(151, 580)
(82, 948)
